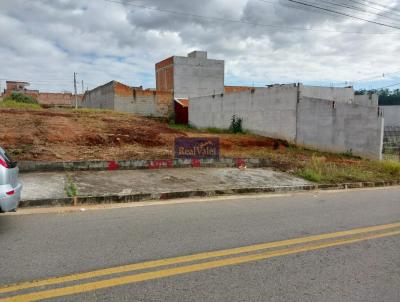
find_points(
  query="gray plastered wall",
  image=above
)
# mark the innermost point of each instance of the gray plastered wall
(392, 115)
(142, 105)
(266, 111)
(101, 97)
(197, 76)
(283, 112)
(339, 127)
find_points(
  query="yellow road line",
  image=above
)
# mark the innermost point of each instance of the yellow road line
(189, 258)
(82, 288)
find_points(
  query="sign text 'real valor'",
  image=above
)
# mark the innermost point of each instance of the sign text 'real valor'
(197, 147)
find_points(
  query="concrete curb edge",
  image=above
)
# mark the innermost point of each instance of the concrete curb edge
(116, 198)
(100, 165)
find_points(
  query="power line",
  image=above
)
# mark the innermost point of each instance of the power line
(186, 14)
(392, 85)
(375, 5)
(299, 8)
(332, 5)
(359, 9)
(343, 14)
(380, 9)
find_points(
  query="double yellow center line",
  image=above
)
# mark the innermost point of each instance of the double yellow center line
(215, 259)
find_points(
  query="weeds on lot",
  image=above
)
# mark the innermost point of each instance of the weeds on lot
(317, 169)
(181, 127)
(70, 187)
(17, 105)
(95, 110)
(235, 127)
(387, 167)
(217, 130)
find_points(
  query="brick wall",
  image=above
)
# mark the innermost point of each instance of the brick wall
(231, 89)
(165, 75)
(58, 99)
(143, 102)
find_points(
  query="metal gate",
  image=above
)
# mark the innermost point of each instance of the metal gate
(391, 143)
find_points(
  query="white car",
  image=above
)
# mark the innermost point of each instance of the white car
(10, 187)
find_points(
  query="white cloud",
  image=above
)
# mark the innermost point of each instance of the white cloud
(45, 41)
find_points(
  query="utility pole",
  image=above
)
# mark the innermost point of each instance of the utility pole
(82, 87)
(76, 97)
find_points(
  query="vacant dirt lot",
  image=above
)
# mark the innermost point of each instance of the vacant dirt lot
(51, 134)
(56, 135)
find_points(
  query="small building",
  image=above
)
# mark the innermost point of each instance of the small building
(47, 99)
(20, 87)
(191, 76)
(181, 107)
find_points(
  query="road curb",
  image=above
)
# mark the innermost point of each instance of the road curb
(116, 198)
(100, 165)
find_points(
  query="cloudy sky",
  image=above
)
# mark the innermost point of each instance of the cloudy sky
(261, 41)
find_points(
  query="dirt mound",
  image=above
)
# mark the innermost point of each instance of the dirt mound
(62, 134)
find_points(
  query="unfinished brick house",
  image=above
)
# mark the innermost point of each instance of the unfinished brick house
(19, 87)
(49, 99)
(178, 79)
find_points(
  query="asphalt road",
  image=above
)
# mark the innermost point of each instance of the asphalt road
(119, 248)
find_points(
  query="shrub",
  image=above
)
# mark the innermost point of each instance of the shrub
(236, 125)
(70, 187)
(21, 98)
(310, 174)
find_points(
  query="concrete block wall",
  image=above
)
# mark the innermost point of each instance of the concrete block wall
(367, 99)
(391, 115)
(58, 99)
(197, 77)
(122, 98)
(164, 103)
(338, 94)
(145, 102)
(142, 104)
(101, 97)
(339, 127)
(284, 112)
(266, 111)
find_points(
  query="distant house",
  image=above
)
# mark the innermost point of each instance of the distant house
(50, 99)
(19, 87)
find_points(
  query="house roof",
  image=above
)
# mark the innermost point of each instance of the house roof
(183, 102)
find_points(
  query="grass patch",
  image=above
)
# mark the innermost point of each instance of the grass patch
(95, 110)
(310, 174)
(181, 127)
(216, 130)
(387, 167)
(19, 105)
(317, 169)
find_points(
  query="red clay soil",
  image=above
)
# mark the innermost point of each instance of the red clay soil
(56, 134)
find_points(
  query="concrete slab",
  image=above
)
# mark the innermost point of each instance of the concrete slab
(170, 180)
(43, 185)
(124, 182)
